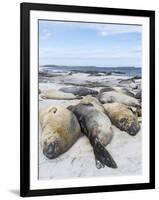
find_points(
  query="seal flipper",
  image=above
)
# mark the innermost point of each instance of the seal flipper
(102, 155)
(99, 165)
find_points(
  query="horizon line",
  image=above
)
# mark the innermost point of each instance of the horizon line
(87, 66)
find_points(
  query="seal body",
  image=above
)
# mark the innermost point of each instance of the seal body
(124, 91)
(122, 117)
(127, 81)
(138, 95)
(81, 91)
(106, 89)
(92, 100)
(97, 127)
(112, 96)
(60, 130)
(118, 89)
(55, 94)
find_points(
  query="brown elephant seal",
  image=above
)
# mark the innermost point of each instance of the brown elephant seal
(60, 130)
(112, 96)
(81, 91)
(122, 117)
(97, 127)
(59, 95)
(136, 110)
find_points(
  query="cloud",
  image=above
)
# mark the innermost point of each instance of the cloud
(136, 51)
(101, 53)
(45, 34)
(101, 29)
(113, 29)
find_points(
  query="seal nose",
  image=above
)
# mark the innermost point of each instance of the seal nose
(50, 151)
(133, 129)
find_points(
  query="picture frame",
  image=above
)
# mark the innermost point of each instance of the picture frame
(27, 141)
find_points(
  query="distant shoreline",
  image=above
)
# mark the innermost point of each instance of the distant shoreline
(89, 66)
(130, 71)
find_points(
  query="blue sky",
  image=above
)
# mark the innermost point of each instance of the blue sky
(91, 44)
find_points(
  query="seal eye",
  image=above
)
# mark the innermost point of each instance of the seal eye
(52, 109)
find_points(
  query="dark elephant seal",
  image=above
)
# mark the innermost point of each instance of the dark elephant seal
(127, 81)
(106, 89)
(112, 96)
(60, 130)
(59, 95)
(122, 117)
(138, 95)
(97, 127)
(81, 91)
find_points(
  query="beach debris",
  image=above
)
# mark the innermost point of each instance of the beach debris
(60, 130)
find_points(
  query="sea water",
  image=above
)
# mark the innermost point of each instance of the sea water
(128, 71)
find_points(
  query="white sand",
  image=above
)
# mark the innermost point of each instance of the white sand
(79, 160)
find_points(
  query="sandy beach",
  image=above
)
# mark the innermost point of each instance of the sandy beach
(79, 160)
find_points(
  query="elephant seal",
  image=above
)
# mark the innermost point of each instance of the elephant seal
(81, 91)
(122, 117)
(55, 94)
(136, 110)
(133, 86)
(138, 95)
(112, 96)
(60, 130)
(127, 81)
(97, 127)
(124, 91)
(106, 89)
(89, 99)
(118, 89)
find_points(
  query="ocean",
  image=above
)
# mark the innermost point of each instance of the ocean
(128, 71)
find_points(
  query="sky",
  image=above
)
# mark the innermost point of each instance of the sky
(89, 44)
